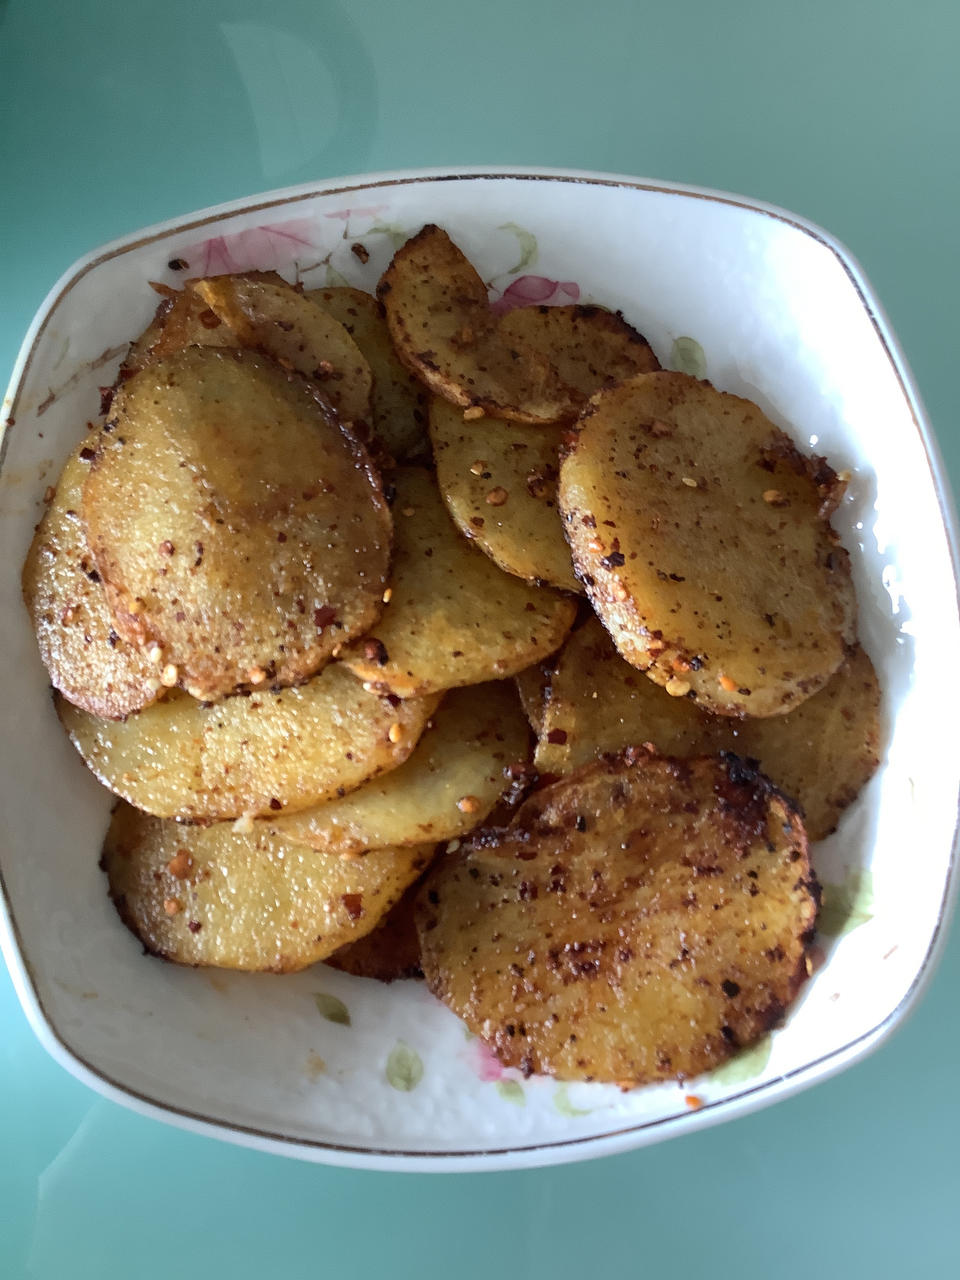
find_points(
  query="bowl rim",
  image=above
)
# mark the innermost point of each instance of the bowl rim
(564, 1150)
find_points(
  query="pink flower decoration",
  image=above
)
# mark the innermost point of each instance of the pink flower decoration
(530, 291)
(484, 1063)
(256, 249)
(346, 214)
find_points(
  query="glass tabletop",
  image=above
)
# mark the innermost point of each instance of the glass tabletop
(115, 114)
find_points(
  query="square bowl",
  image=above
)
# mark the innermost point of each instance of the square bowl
(765, 305)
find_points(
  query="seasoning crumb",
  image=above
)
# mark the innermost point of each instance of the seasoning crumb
(468, 804)
(409, 511)
(256, 675)
(49, 494)
(155, 653)
(497, 497)
(172, 906)
(727, 683)
(387, 595)
(169, 676)
(477, 468)
(471, 414)
(244, 825)
(453, 846)
(677, 688)
(693, 1101)
(395, 732)
(166, 547)
(774, 498)
(690, 482)
(181, 864)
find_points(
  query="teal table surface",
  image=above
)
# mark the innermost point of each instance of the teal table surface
(118, 113)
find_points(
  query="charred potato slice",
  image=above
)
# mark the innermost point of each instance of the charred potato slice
(399, 399)
(826, 750)
(85, 657)
(182, 320)
(599, 703)
(588, 346)
(390, 951)
(639, 920)
(533, 686)
(822, 753)
(263, 311)
(213, 896)
(239, 528)
(445, 332)
(702, 536)
(449, 784)
(257, 754)
(453, 617)
(499, 482)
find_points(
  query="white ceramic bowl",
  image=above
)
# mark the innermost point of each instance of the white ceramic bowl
(783, 316)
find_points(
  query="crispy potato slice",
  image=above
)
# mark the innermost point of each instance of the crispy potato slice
(449, 785)
(264, 311)
(453, 617)
(499, 482)
(639, 920)
(390, 951)
(599, 703)
(444, 331)
(822, 753)
(399, 399)
(256, 754)
(590, 347)
(826, 750)
(702, 536)
(86, 659)
(237, 525)
(212, 896)
(533, 686)
(183, 320)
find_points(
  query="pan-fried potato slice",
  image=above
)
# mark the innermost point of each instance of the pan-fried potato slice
(499, 482)
(212, 896)
(639, 920)
(237, 525)
(444, 331)
(588, 346)
(533, 685)
(822, 753)
(453, 617)
(85, 657)
(399, 399)
(599, 703)
(449, 785)
(183, 320)
(390, 951)
(264, 311)
(261, 753)
(702, 536)
(826, 750)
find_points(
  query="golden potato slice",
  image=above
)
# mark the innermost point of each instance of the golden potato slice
(599, 703)
(453, 618)
(826, 750)
(640, 920)
(590, 347)
(264, 311)
(499, 482)
(86, 659)
(211, 896)
(822, 753)
(444, 331)
(390, 951)
(702, 536)
(533, 686)
(182, 320)
(449, 785)
(238, 527)
(260, 753)
(399, 399)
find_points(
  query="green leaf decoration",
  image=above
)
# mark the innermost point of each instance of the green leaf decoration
(848, 905)
(562, 1103)
(334, 279)
(404, 1067)
(468, 1035)
(331, 1008)
(512, 1091)
(744, 1065)
(397, 235)
(686, 356)
(528, 246)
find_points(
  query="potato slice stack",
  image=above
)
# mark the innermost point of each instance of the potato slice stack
(283, 590)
